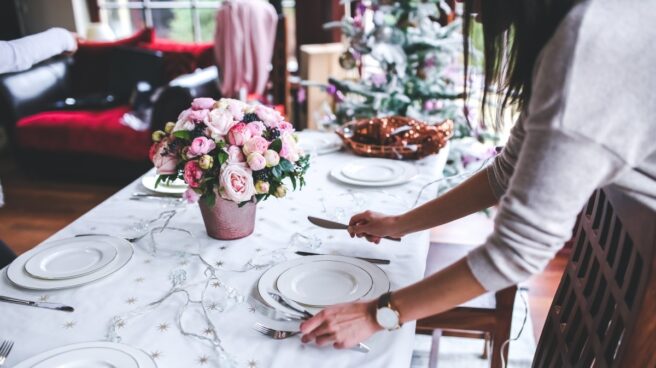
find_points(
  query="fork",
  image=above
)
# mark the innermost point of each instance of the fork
(5, 349)
(275, 334)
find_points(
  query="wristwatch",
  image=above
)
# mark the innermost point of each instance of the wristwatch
(386, 315)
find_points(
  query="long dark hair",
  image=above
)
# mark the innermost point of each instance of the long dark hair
(514, 33)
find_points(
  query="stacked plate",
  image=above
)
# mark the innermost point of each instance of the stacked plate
(176, 187)
(70, 262)
(320, 143)
(316, 282)
(91, 355)
(374, 172)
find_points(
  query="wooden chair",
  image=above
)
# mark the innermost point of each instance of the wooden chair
(487, 317)
(604, 311)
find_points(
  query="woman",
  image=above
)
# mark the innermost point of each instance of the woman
(582, 73)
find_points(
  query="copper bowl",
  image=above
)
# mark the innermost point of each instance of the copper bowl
(395, 137)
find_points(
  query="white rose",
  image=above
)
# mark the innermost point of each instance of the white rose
(220, 122)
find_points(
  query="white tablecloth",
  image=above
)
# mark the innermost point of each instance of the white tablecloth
(146, 279)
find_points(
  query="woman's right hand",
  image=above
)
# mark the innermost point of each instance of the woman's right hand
(373, 226)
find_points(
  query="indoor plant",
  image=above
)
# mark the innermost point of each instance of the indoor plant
(231, 155)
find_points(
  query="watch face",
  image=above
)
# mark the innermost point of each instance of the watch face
(387, 318)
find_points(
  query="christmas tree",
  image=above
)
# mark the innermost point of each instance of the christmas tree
(408, 61)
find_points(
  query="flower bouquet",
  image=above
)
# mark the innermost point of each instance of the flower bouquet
(231, 155)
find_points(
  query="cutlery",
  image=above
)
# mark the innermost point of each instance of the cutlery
(327, 224)
(30, 303)
(131, 240)
(5, 349)
(298, 308)
(139, 197)
(371, 260)
(156, 195)
(275, 334)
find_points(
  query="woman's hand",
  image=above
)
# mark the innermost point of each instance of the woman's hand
(343, 325)
(373, 226)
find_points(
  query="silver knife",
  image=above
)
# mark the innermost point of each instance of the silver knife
(370, 260)
(30, 303)
(327, 224)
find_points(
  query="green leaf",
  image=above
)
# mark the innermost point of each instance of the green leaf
(293, 179)
(277, 172)
(210, 199)
(286, 165)
(182, 134)
(222, 157)
(276, 145)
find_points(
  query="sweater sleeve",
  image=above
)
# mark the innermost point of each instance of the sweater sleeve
(502, 168)
(553, 178)
(21, 54)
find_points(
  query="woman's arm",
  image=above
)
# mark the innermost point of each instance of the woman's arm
(21, 54)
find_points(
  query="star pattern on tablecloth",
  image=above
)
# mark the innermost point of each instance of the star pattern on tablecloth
(203, 359)
(259, 235)
(219, 263)
(163, 327)
(212, 306)
(258, 250)
(139, 280)
(208, 331)
(120, 324)
(131, 300)
(251, 309)
(44, 298)
(147, 261)
(252, 363)
(184, 262)
(223, 247)
(330, 237)
(69, 325)
(216, 284)
(156, 354)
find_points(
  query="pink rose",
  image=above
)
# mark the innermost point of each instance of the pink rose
(290, 149)
(199, 116)
(272, 158)
(200, 146)
(239, 134)
(220, 122)
(235, 155)
(256, 144)
(183, 122)
(190, 196)
(236, 183)
(192, 174)
(285, 127)
(256, 128)
(165, 162)
(270, 117)
(256, 161)
(202, 103)
(236, 108)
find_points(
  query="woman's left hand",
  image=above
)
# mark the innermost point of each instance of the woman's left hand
(343, 325)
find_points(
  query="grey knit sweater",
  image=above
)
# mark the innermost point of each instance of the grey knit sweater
(590, 123)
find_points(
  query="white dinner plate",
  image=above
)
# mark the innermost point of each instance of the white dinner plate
(71, 258)
(369, 172)
(323, 283)
(91, 355)
(269, 278)
(321, 143)
(18, 275)
(374, 170)
(176, 187)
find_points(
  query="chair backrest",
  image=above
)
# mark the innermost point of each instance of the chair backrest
(604, 311)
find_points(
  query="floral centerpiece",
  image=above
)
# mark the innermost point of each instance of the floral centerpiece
(231, 155)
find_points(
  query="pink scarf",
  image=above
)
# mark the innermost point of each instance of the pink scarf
(243, 45)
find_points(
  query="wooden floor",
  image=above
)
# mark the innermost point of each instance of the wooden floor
(37, 208)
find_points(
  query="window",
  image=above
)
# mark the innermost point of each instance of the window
(178, 20)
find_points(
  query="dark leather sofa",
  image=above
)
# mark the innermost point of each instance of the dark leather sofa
(86, 141)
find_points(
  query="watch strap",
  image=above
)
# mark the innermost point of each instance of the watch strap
(385, 300)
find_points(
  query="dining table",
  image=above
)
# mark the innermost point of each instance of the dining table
(187, 300)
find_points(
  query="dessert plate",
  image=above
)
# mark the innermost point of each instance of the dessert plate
(71, 258)
(374, 172)
(176, 187)
(268, 280)
(20, 277)
(322, 283)
(91, 355)
(321, 143)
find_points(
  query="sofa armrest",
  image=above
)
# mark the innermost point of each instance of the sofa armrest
(34, 90)
(179, 93)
